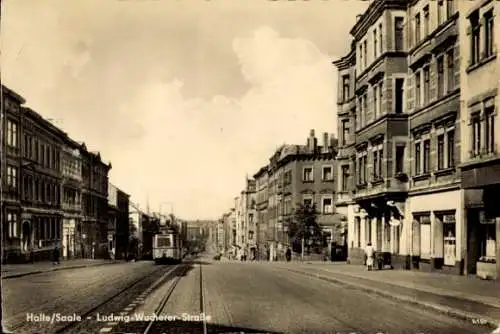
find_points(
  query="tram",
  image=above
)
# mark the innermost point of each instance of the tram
(167, 247)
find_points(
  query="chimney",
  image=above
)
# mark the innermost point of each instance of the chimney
(326, 143)
(311, 142)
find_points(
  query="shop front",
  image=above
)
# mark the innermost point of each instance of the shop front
(435, 233)
(377, 222)
(483, 232)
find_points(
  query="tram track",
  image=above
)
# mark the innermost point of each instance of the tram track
(165, 317)
(161, 308)
(88, 314)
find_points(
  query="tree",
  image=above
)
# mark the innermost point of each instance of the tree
(303, 225)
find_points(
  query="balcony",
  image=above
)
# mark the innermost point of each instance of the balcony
(71, 207)
(382, 187)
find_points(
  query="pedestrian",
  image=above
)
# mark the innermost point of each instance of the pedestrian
(288, 255)
(56, 253)
(370, 254)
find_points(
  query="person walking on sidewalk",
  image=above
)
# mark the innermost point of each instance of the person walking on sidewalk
(288, 255)
(56, 253)
(370, 255)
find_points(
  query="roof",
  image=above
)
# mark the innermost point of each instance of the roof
(10, 92)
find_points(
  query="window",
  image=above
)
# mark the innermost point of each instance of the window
(12, 220)
(426, 85)
(12, 177)
(365, 51)
(476, 135)
(361, 56)
(308, 201)
(362, 166)
(327, 204)
(450, 76)
(375, 101)
(425, 237)
(399, 91)
(426, 20)
(451, 147)
(450, 8)
(365, 107)
(488, 33)
(345, 87)
(380, 96)
(345, 131)
(490, 129)
(375, 49)
(441, 12)
(475, 37)
(357, 231)
(345, 178)
(398, 34)
(11, 133)
(440, 77)
(380, 36)
(440, 151)
(417, 158)
(427, 155)
(368, 230)
(360, 107)
(418, 28)
(327, 173)
(400, 156)
(418, 92)
(308, 174)
(377, 163)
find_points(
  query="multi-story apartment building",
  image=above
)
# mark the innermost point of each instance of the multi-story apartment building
(262, 201)
(433, 151)
(440, 167)
(247, 216)
(71, 197)
(41, 183)
(479, 35)
(14, 241)
(346, 126)
(122, 224)
(95, 204)
(300, 174)
(380, 126)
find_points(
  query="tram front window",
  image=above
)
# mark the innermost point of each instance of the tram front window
(163, 242)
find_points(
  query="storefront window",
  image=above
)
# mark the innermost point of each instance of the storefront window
(449, 239)
(425, 236)
(488, 242)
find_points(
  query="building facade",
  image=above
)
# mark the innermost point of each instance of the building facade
(122, 224)
(41, 184)
(262, 201)
(479, 35)
(425, 168)
(71, 197)
(94, 228)
(14, 241)
(298, 174)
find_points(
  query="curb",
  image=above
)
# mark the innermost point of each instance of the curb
(56, 269)
(471, 317)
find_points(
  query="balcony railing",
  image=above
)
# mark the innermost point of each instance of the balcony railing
(71, 207)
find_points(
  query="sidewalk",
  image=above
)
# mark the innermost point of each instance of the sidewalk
(19, 270)
(462, 296)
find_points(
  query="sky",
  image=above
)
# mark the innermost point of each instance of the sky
(184, 97)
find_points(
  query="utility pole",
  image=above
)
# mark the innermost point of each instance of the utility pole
(302, 245)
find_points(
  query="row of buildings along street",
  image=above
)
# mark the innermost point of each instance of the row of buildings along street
(55, 191)
(416, 167)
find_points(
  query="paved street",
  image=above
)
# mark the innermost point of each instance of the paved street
(251, 297)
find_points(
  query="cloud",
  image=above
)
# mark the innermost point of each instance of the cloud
(208, 145)
(125, 88)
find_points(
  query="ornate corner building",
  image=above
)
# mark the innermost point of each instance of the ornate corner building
(418, 154)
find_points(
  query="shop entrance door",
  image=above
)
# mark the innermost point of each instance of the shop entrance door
(449, 250)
